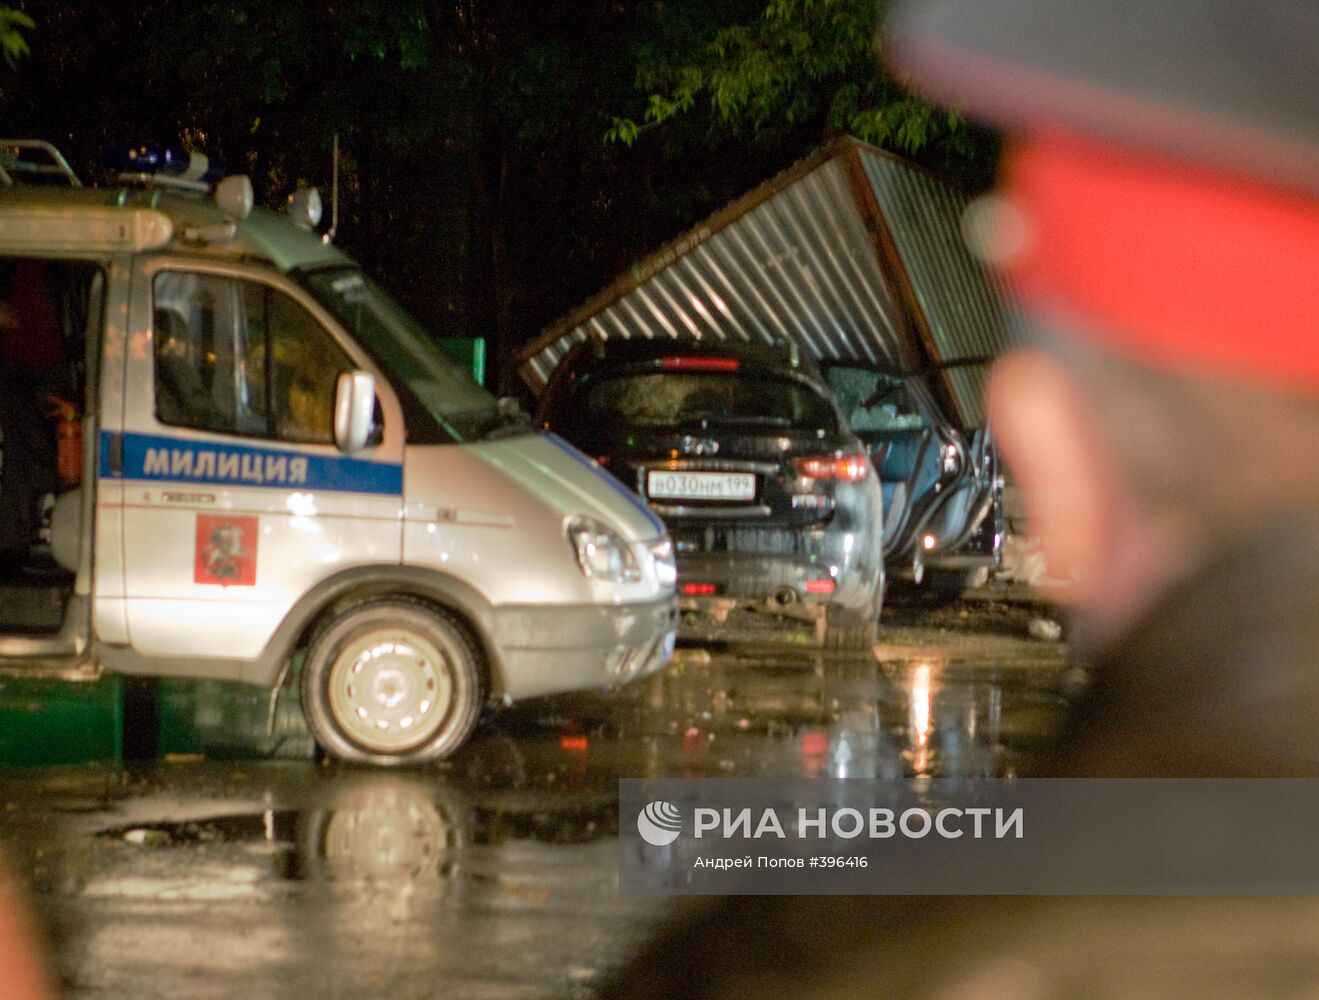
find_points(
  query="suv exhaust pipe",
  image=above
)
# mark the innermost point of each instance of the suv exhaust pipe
(783, 597)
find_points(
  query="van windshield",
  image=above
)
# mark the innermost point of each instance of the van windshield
(407, 352)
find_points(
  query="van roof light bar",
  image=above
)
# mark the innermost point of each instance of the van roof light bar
(165, 166)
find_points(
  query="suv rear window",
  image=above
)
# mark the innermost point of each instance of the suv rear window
(675, 399)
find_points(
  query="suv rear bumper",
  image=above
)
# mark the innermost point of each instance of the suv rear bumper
(747, 577)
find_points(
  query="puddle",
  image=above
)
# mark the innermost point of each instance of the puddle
(753, 714)
(379, 832)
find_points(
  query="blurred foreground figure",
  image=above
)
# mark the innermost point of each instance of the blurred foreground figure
(1159, 216)
(22, 974)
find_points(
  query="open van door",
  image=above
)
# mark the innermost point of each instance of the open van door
(49, 369)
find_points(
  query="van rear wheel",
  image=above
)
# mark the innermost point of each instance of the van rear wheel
(392, 681)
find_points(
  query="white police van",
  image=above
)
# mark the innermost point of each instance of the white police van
(277, 461)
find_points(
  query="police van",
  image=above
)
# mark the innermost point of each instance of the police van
(257, 460)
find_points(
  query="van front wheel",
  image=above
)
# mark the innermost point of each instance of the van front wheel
(392, 682)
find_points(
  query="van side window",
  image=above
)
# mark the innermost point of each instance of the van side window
(237, 357)
(304, 371)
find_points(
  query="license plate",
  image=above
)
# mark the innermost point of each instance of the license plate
(701, 485)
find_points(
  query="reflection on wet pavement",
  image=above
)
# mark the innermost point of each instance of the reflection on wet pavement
(494, 875)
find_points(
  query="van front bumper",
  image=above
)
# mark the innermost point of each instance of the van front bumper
(553, 649)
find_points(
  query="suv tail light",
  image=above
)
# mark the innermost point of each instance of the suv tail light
(848, 469)
(699, 589)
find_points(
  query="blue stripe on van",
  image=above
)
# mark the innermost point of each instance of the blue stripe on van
(618, 487)
(180, 460)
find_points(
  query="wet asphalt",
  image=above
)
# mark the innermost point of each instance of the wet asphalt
(495, 874)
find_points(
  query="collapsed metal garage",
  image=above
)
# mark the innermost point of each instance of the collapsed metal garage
(853, 254)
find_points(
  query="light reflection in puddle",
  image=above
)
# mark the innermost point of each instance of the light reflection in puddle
(380, 830)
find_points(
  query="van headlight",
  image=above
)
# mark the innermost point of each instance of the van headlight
(601, 552)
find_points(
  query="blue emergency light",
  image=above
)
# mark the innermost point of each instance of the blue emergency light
(165, 162)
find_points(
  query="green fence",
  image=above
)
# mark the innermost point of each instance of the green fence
(50, 722)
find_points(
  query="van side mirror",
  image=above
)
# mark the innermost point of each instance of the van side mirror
(354, 411)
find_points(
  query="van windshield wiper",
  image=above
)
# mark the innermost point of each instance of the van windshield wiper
(498, 424)
(508, 428)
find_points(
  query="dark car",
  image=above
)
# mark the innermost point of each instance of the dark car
(942, 491)
(771, 500)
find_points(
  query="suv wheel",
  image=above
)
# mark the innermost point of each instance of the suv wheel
(949, 584)
(392, 681)
(851, 631)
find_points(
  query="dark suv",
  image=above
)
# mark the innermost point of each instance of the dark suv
(771, 500)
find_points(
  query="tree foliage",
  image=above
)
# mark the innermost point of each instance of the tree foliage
(762, 68)
(474, 182)
(12, 40)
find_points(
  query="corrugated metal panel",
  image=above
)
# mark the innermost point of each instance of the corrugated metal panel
(804, 256)
(964, 308)
(969, 383)
(799, 263)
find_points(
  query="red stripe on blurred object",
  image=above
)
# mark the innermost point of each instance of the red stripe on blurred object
(1178, 267)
